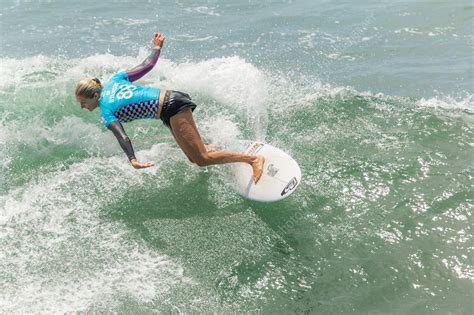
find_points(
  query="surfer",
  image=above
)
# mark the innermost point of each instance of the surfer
(122, 101)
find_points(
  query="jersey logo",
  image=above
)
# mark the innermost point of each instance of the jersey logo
(126, 91)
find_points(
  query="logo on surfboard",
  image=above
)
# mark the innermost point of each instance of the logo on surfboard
(290, 186)
(272, 170)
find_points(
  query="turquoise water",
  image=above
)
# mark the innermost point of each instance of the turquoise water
(374, 100)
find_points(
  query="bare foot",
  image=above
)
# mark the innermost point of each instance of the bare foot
(257, 167)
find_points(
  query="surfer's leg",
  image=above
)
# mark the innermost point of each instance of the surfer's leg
(178, 142)
(188, 138)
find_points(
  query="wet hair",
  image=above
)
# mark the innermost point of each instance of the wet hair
(87, 87)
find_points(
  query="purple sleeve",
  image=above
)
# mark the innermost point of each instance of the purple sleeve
(145, 67)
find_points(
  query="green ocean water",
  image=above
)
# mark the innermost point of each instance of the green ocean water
(373, 100)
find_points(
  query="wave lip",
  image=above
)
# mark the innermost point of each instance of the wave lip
(230, 80)
(449, 103)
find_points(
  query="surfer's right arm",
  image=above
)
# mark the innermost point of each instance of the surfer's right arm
(124, 141)
(148, 64)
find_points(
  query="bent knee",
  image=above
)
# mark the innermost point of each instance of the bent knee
(202, 160)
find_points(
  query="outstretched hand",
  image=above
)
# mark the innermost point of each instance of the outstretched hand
(137, 165)
(158, 40)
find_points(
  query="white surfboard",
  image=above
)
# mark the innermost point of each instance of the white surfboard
(281, 174)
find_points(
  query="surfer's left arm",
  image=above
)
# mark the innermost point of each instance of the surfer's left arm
(124, 141)
(147, 64)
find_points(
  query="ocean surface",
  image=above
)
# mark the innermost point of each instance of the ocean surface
(374, 99)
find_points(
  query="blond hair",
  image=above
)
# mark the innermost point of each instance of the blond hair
(87, 87)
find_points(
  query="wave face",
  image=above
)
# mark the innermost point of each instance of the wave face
(380, 223)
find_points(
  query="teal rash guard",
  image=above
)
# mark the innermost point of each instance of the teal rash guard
(122, 101)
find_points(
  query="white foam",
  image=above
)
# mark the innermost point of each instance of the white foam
(288, 93)
(308, 41)
(449, 102)
(233, 45)
(232, 81)
(220, 130)
(71, 131)
(212, 11)
(235, 83)
(60, 256)
(437, 31)
(99, 65)
(444, 102)
(410, 30)
(131, 22)
(309, 36)
(42, 71)
(194, 38)
(18, 70)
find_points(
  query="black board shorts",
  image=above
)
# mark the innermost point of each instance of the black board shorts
(174, 103)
